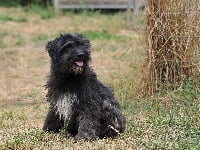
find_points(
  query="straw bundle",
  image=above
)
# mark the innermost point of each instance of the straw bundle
(173, 37)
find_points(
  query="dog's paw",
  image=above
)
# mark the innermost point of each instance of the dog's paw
(85, 138)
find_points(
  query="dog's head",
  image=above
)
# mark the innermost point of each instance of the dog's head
(70, 53)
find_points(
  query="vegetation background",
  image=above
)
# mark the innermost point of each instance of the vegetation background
(166, 120)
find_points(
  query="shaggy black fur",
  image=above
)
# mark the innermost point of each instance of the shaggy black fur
(79, 102)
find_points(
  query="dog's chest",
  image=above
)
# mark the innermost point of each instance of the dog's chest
(64, 106)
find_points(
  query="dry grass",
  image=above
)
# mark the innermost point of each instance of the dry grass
(173, 30)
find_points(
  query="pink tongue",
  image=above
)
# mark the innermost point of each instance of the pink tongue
(79, 63)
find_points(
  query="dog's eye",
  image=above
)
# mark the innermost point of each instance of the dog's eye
(66, 46)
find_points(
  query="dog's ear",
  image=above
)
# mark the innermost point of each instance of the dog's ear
(51, 47)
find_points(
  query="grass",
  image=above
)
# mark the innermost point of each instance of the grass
(168, 120)
(44, 13)
(6, 17)
(105, 35)
(8, 3)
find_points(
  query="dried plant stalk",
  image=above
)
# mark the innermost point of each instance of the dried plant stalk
(173, 37)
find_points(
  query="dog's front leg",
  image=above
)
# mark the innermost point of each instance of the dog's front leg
(88, 129)
(52, 122)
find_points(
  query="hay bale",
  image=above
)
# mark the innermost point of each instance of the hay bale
(173, 38)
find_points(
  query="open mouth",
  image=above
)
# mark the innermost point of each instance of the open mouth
(78, 67)
(79, 63)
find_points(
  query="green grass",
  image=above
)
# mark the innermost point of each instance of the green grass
(9, 3)
(45, 13)
(40, 38)
(166, 123)
(104, 35)
(5, 18)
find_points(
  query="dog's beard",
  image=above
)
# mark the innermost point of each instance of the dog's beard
(73, 67)
(78, 67)
(77, 70)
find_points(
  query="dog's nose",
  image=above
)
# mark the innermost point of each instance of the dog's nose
(80, 55)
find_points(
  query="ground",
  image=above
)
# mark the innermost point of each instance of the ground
(169, 120)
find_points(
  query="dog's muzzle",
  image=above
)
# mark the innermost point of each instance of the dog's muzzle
(78, 67)
(79, 63)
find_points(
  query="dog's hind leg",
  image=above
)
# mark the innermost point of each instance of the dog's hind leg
(53, 122)
(88, 129)
(114, 120)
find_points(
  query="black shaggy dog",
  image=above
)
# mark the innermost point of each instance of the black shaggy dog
(79, 102)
